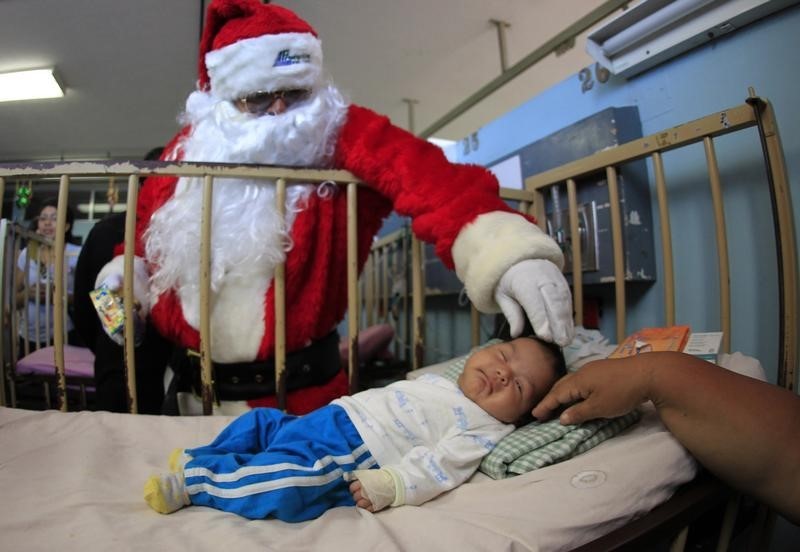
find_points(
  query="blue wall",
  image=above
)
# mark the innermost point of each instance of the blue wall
(708, 79)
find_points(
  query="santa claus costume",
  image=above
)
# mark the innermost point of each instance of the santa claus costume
(252, 52)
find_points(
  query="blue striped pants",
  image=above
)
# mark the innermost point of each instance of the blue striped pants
(270, 464)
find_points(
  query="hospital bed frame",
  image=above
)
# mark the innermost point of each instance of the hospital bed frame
(689, 502)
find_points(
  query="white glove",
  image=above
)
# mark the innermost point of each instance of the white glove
(538, 287)
(377, 486)
(109, 305)
(112, 276)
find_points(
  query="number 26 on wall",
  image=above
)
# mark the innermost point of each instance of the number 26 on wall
(585, 76)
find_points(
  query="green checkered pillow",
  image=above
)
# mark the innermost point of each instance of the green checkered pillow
(536, 444)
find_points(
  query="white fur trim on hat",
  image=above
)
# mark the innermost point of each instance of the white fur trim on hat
(486, 248)
(265, 63)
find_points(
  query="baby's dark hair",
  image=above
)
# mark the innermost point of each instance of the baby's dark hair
(555, 353)
(557, 363)
(503, 331)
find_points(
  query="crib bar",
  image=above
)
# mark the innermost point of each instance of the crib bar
(728, 522)
(784, 236)
(577, 261)
(60, 292)
(722, 243)
(128, 294)
(205, 296)
(619, 251)
(418, 304)
(679, 543)
(26, 288)
(666, 239)
(37, 290)
(537, 208)
(406, 322)
(475, 326)
(38, 286)
(369, 291)
(15, 353)
(385, 292)
(280, 303)
(352, 286)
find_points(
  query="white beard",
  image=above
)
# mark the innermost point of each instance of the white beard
(247, 239)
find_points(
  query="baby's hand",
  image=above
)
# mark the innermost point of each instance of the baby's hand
(360, 498)
(372, 490)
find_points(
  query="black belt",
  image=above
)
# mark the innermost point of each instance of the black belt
(313, 365)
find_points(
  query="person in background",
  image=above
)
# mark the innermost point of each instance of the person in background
(35, 280)
(745, 431)
(152, 354)
(405, 443)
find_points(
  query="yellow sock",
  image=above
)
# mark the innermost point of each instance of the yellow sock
(166, 493)
(177, 459)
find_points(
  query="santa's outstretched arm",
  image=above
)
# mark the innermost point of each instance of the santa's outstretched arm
(505, 261)
(152, 196)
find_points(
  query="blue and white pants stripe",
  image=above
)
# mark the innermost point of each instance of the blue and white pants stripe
(270, 464)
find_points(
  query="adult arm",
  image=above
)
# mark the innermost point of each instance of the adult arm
(457, 208)
(745, 431)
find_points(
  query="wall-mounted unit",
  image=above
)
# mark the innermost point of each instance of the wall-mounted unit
(605, 129)
(657, 30)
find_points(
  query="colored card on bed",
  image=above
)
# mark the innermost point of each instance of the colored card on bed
(705, 345)
(668, 338)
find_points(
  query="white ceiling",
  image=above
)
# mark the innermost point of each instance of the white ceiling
(128, 65)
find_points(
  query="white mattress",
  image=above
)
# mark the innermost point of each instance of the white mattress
(73, 481)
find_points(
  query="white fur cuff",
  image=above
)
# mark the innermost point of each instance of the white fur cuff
(485, 249)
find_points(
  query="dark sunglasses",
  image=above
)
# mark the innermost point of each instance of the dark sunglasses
(259, 102)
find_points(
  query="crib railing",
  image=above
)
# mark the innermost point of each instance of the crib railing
(756, 112)
(283, 177)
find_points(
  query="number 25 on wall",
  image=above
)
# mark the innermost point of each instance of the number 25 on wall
(585, 76)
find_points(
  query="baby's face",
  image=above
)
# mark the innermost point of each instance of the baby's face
(508, 379)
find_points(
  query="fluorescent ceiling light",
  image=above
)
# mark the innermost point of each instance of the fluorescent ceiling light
(29, 85)
(657, 30)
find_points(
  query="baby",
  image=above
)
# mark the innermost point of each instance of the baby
(405, 443)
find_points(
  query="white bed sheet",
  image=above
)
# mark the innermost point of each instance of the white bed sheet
(73, 481)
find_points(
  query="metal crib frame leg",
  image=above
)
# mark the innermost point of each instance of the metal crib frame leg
(728, 522)
(680, 541)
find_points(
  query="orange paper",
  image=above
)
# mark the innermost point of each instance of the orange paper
(670, 338)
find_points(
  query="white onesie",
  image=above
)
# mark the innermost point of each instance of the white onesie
(425, 432)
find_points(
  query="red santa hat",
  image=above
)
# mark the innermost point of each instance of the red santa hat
(248, 47)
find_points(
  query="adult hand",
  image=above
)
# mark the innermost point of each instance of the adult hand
(600, 389)
(538, 289)
(111, 275)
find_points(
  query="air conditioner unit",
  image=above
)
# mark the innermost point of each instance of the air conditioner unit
(657, 30)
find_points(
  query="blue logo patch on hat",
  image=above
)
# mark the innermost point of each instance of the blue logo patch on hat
(285, 58)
